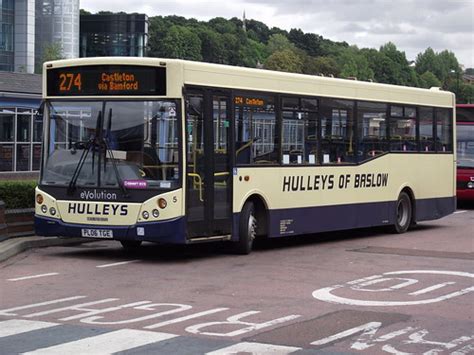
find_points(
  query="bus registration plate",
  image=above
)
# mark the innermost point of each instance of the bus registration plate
(97, 233)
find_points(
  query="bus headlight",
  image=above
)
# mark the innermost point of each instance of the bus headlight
(39, 199)
(162, 203)
(155, 213)
(470, 185)
(145, 215)
(52, 210)
(44, 209)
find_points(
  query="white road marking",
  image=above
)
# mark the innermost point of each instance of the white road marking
(182, 319)
(33, 276)
(18, 326)
(431, 288)
(6, 312)
(108, 343)
(76, 307)
(254, 348)
(326, 294)
(119, 263)
(460, 211)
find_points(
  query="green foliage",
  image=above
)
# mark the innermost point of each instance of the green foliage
(354, 65)
(309, 42)
(464, 92)
(18, 194)
(181, 42)
(428, 80)
(285, 60)
(320, 65)
(279, 42)
(51, 51)
(227, 42)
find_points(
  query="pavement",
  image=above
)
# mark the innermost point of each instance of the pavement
(14, 246)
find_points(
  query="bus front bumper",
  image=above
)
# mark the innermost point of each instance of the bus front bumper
(169, 232)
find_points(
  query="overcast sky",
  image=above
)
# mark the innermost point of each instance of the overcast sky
(413, 25)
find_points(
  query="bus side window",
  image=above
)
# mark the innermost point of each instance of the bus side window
(402, 126)
(426, 129)
(444, 130)
(337, 131)
(299, 130)
(372, 129)
(255, 133)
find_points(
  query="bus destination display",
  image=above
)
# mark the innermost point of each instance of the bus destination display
(110, 80)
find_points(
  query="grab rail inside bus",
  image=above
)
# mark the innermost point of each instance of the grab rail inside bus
(199, 182)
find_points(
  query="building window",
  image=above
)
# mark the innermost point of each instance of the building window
(7, 127)
(23, 128)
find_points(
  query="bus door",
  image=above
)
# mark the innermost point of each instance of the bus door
(208, 173)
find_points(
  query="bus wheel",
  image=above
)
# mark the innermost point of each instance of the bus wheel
(247, 229)
(403, 213)
(131, 244)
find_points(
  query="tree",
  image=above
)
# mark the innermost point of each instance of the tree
(212, 46)
(180, 42)
(428, 80)
(253, 53)
(427, 61)
(284, 60)
(257, 31)
(448, 65)
(279, 42)
(354, 64)
(309, 42)
(320, 65)
(51, 51)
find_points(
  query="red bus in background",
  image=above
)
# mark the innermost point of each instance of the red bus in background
(465, 151)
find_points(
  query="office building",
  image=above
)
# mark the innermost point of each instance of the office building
(29, 26)
(113, 35)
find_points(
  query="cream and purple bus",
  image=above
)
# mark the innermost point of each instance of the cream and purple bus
(172, 151)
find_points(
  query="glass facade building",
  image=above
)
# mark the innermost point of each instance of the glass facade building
(113, 35)
(57, 21)
(7, 23)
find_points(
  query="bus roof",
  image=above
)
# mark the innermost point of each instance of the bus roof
(240, 78)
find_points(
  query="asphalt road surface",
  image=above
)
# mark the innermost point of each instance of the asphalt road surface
(364, 291)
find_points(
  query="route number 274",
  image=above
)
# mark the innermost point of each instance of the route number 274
(67, 81)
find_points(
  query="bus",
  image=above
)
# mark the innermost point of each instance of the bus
(465, 152)
(173, 151)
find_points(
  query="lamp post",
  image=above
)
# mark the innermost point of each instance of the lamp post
(456, 72)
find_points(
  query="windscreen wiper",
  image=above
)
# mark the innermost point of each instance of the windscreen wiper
(80, 163)
(105, 140)
(90, 145)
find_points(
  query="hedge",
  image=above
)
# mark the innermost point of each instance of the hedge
(18, 194)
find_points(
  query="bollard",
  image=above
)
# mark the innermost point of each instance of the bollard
(3, 225)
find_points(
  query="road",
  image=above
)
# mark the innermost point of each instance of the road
(351, 292)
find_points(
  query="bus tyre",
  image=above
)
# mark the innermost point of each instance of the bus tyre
(247, 229)
(403, 213)
(131, 244)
